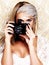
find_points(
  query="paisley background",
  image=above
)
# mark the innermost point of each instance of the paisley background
(42, 7)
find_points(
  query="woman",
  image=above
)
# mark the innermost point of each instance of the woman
(23, 49)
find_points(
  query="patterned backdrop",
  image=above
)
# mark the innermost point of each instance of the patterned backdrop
(42, 7)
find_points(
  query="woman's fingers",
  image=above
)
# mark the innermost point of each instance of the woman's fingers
(29, 32)
(10, 25)
(9, 29)
(28, 28)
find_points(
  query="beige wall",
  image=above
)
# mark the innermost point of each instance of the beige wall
(43, 14)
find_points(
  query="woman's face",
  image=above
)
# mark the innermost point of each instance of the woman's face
(25, 18)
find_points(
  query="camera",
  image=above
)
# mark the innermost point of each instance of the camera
(20, 28)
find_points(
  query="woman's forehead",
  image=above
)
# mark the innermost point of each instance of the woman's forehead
(23, 16)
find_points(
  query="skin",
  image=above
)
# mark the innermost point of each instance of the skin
(20, 48)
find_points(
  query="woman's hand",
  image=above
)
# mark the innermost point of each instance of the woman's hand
(7, 54)
(9, 31)
(31, 37)
(30, 34)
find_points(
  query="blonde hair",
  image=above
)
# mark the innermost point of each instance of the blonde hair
(27, 8)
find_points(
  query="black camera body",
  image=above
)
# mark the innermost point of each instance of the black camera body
(20, 28)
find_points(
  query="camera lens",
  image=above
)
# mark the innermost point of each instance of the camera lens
(20, 28)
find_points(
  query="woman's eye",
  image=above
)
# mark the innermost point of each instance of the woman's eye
(29, 20)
